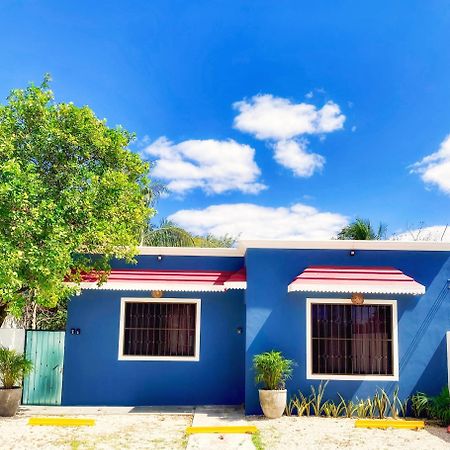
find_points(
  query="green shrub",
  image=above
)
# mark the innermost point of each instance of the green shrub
(272, 370)
(317, 397)
(440, 407)
(348, 408)
(364, 409)
(419, 404)
(299, 404)
(13, 367)
(437, 407)
(291, 407)
(332, 409)
(402, 405)
(304, 405)
(381, 405)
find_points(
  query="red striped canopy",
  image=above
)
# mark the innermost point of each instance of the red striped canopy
(167, 280)
(354, 279)
(238, 280)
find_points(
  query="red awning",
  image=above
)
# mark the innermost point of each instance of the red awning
(238, 280)
(364, 280)
(168, 280)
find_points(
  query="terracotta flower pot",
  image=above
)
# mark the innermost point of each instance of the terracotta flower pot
(9, 401)
(273, 403)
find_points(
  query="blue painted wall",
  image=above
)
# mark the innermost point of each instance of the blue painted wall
(272, 319)
(93, 375)
(276, 319)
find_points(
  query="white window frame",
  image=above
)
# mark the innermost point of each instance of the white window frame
(125, 300)
(346, 301)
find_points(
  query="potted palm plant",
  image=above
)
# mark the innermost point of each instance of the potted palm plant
(13, 367)
(272, 370)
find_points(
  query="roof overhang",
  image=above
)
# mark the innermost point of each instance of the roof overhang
(336, 244)
(191, 251)
(355, 279)
(166, 280)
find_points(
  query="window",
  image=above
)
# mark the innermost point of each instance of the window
(347, 341)
(160, 329)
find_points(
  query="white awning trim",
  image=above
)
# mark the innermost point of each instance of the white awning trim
(235, 285)
(146, 286)
(348, 288)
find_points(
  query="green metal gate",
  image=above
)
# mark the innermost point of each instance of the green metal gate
(46, 350)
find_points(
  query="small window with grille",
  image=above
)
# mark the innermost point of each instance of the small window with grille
(160, 329)
(353, 341)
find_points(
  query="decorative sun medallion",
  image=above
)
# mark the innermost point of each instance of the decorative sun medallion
(157, 294)
(357, 299)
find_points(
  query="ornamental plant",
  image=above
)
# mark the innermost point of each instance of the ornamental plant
(272, 370)
(69, 186)
(379, 406)
(437, 407)
(13, 367)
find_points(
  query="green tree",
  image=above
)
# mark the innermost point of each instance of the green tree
(69, 186)
(214, 241)
(169, 234)
(362, 229)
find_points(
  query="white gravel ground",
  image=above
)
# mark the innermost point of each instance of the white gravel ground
(167, 431)
(328, 434)
(110, 432)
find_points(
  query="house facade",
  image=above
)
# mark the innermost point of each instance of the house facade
(182, 326)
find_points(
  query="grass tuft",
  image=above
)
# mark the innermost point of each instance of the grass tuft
(257, 441)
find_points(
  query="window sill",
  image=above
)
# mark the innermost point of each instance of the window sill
(353, 377)
(160, 358)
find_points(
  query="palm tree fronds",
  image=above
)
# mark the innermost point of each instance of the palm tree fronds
(362, 230)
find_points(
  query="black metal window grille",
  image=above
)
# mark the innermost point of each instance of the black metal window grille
(159, 329)
(351, 339)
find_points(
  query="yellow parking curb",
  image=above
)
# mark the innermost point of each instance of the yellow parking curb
(247, 429)
(390, 423)
(61, 422)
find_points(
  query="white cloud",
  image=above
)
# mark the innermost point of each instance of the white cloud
(285, 124)
(269, 117)
(433, 233)
(250, 221)
(293, 155)
(211, 165)
(435, 168)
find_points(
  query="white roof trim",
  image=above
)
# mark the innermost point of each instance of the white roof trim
(146, 286)
(345, 245)
(336, 244)
(190, 251)
(235, 284)
(388, 288)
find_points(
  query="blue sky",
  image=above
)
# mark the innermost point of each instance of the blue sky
(309, 113)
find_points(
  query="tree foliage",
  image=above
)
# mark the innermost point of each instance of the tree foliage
(169, 234)
(68, 187)
(214, 241)
(362, 229)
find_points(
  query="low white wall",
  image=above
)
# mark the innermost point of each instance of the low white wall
(13, 338)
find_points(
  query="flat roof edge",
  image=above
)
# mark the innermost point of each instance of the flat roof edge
(191, 251)
(244, 245)
(346, 245)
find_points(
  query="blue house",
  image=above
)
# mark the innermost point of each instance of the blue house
(182, 326)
